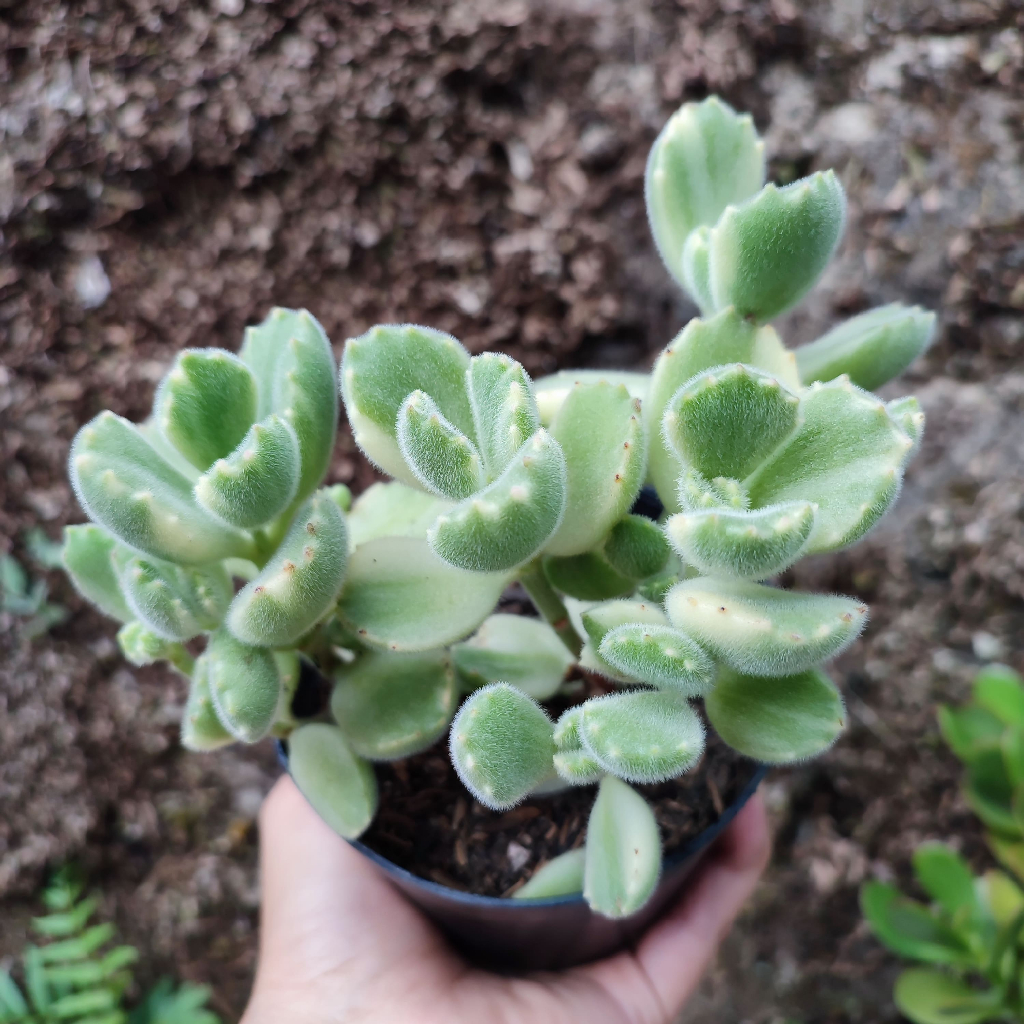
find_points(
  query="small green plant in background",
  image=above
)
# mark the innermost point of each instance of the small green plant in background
(76, 977)
(25, 598)
(760, 456)
(972, 932)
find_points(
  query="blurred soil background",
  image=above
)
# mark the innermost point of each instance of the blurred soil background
(169, 170)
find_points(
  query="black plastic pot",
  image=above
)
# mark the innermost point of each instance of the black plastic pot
(514, 936)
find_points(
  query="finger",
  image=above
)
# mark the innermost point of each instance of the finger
(677, 950)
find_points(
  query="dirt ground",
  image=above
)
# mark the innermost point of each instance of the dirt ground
(169, 170)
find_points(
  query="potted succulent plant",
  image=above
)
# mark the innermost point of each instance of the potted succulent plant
(518, 492)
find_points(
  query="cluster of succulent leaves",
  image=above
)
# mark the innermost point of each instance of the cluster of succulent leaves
(759, 456)
(26, 599)
(972, 933)
(76, 977)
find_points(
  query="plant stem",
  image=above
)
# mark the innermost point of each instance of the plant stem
(549, 604)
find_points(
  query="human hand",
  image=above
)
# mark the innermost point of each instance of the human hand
(339, 944)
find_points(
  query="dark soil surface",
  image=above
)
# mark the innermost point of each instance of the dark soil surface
(170, 170)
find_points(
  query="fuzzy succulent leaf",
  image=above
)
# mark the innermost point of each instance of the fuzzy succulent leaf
(752, 544)
(702, 344)
(561, 876)
(440, 456)
(201, 729)
(870, 348)
(176, 602)
(587, 577)
(245, 686)
(776, 720)
(642, 735)
(141, 646)
(706, 157)
(695, 269)
(88, 561)
(573, 762)
(394, 705)
(550, 392)
(339, 785)
(291, 358)
(763, 630)
(525, 652)
(623, 851)
(601, 619)
(206, 404)
(501, 745)
(381, 368)
(400, 596)
(258, 480)
(392, 510)
(505, 413)
(299, 584)
(591, 661)
(636, 547)
(510, 520)
(695, 493)
(728, 420)
(909, 415)
(846, 456)
(767, 252)
(124, 485)
(599, 430)
(659, 656)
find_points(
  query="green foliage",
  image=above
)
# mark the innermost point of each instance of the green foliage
(562, 876)
(77, 977)
(27, 601)
(505, 489)
(971, 933)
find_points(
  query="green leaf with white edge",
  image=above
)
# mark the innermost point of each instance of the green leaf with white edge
(501, 745)
(561, 876)
(206, 404)
(623, 851)
(382, 367)
(969, 730)
(88, 562)
(392, 510)
(1000, 691)
(702, 344)
(550, 392)
(931, 997)
(641, 735)
(695, 269)
(752, 544)
(291, 358)
(245, 686)
(776, 720)
(910, 929)
(587, 577)
(599, 430)
(124, 485)
(766, 253)
(505, 413)
(659, 656)
(846, 455)
(176, 602)
(600, 619)
(510, 520)
(694, 493)
(573, 762)
(636, 547)
(339, 785)
(394, 705)
(258, 480)
(1002, 895)
(201, 728)
(400, 596)
(909, 417)
(945, 876)
(440, 456)
(729, 419)
(870, 348)
(706, 157)
(141, 646)
(763, 630)
(299, 584)
(525, 652)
